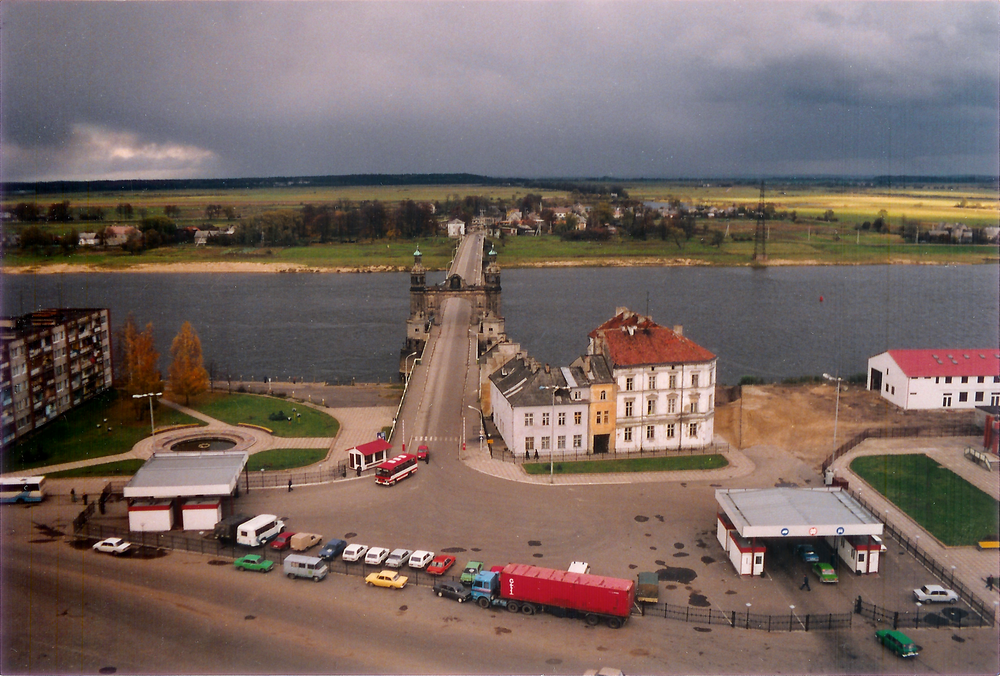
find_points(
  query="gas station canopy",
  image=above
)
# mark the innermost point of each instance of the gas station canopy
(796, 512)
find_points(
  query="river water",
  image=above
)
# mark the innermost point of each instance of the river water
(774, 323)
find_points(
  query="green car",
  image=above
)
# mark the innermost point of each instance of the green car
(897, 642)
(472, 568)
(253, 562)
(825, 572)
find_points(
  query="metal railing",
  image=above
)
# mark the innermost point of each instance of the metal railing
(948, 617)
(954, 430)
(583, 455)
(738, 619)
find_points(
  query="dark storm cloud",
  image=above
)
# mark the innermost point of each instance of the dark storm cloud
(530, 89)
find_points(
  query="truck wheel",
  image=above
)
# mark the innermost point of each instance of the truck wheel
(512, 606)
(614, 622)
(528, 609)
(291, 576)
(593, 620)
(483, 602)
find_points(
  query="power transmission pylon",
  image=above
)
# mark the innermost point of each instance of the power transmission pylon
(760, 235)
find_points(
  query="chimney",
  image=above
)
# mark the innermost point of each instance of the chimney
(546, 368)
(679, 329)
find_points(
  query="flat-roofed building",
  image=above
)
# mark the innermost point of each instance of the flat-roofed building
(941, 379)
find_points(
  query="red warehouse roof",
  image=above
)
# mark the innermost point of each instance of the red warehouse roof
(947, 362)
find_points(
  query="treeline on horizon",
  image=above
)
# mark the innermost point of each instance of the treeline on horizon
(586, 185)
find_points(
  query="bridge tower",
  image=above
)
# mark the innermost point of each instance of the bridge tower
(418, 325)
(491, 280)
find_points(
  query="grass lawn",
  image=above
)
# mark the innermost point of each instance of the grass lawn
(120, 468)
(713, 461)
(105, 425)
(950, 508)
(285, 458)
(258, 409)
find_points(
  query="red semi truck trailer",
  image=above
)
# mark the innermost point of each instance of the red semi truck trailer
(530, 590)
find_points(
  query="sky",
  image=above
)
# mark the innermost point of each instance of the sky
(629, 89)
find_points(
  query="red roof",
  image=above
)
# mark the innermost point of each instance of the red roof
(947, 362)
(634, 340)
(373, 447)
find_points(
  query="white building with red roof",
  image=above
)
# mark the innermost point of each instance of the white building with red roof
(947, 378)
(665, 384)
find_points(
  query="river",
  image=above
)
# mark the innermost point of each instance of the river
(775, 322)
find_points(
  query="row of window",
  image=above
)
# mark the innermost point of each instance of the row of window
(946, 399)
(693, 406)
(669, 431)
(671, 381)
(529, 418)
(546, 443)
(964, 379)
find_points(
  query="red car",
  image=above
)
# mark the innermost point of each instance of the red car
(282, 541)
(423, 454)
(440, 564)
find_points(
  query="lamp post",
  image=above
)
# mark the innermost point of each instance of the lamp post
(149, 395)
(482, 426)
(552, 424)
(836, 415)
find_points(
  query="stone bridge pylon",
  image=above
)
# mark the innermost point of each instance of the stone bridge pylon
(425, 301)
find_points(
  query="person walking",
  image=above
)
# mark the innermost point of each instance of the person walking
(990, 581)
(289, 485)
(805, 583)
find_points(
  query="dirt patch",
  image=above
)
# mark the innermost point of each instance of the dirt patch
(799, 419)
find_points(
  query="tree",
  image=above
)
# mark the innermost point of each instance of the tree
(59, 211)
(188, 376)
(141, 375)
(124, 210)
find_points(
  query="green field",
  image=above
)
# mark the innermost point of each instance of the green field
(673, 464)
(120, 468)
(106, 425)
(946, 505)
(285, 458)
(257, 410)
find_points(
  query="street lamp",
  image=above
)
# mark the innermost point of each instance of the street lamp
(482, 427)
(836, 415)
(552, 424)
(149, 395)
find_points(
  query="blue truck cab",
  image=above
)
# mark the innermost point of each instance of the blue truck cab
(486, 589)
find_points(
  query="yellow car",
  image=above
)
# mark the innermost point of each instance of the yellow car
(387, 578)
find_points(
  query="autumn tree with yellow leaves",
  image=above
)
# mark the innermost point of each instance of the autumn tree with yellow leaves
(141, 375)
(188, 376)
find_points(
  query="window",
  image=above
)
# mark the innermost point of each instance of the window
(628, 408)
(629, 384)
(981, 379)
(577, 417)
(607, 417)
(963, 396)
(628, 434)
(529, 443)
(670, 431)
(652, 382)
(692, 430)
(759, 559)
(946, 400)
(604, 395)
(577, 441)
(576, 395)
(995, 399)
(545, 443)
(650, 432)
(694, 406)
(561, 442)
(545, 419)
(672, 382)
(947, 380)
(965, 379)
(694, 380)
(861, 557)
(650, 406)
(529, 419)
(979, 396)
(562, 418)
(996, 379)
(672, 405)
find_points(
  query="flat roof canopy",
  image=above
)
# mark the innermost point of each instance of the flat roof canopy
(796, 512)
(175, 475)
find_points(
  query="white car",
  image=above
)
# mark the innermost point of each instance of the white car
(113, 546)
(932, 593)
(376, 555)
(397, 558)
(354, 552)
(420, 558)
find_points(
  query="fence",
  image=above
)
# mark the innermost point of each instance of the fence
(946, 618)
(738, 619)
(947, 575)
(956, 430)
(583, 455)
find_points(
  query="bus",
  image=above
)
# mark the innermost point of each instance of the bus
(396, 469)
(259, 530)
(22, 489)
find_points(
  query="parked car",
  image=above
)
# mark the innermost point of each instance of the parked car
(420, 558)
(825, 572)
(472, 568)
(254, 562)
(332, 549)
(387, 578)
(440, 564)
(423, 454)
(282, 540)
(354, 552)
(897, 642)
(113, 546)
(303, 541)
(453, 590)
(932, 593)
(398, 557)
(376, 556)
(806, 553)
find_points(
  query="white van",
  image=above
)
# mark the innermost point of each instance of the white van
(313, 567)
(259, 530)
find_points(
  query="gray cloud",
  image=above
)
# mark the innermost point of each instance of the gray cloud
(532, 89)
